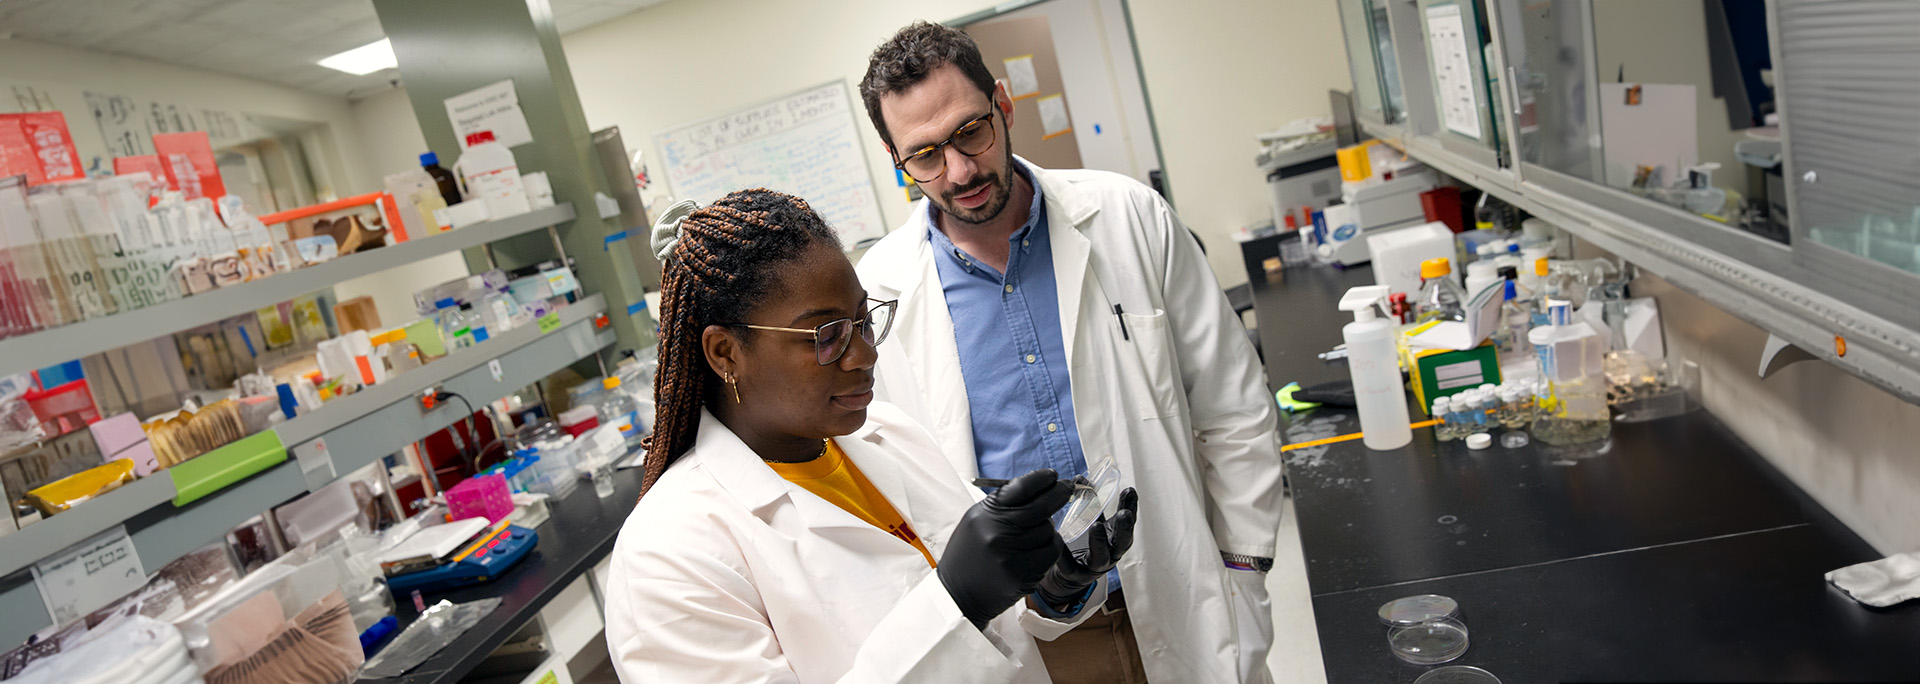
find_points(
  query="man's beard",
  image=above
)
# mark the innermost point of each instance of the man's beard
(997, 198)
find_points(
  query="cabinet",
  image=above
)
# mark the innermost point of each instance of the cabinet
(1459, 52)
(1854, 140)
(1376, 79)
(1762, 155)
(1549, 46)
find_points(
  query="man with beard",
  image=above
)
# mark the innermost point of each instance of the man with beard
(1066, 319)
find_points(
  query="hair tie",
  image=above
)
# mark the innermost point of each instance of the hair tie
(666, 231)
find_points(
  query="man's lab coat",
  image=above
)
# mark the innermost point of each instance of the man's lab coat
(1179, 401)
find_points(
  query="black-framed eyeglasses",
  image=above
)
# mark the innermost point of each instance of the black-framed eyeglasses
(930, 162)
(830, 340)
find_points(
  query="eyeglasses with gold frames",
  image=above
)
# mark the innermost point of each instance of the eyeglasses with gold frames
(831, 339)
(930, 163)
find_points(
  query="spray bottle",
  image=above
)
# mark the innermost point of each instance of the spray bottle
(1375, 365)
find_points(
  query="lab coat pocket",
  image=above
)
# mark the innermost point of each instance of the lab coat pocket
(1158, 392)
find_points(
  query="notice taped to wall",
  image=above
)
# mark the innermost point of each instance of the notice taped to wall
(492, 108)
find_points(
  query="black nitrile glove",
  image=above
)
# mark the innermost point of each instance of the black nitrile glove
(1003, 545)
(1107, 541)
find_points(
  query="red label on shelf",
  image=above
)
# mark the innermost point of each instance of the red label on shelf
(149, 163)
(187, 159)
(37, 144)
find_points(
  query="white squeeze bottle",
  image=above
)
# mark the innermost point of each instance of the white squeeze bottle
(1375, 365)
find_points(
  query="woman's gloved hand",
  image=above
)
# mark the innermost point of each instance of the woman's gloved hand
(1003, 545)
(1107, 541)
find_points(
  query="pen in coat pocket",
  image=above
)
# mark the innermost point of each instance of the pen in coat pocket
(1117, 315)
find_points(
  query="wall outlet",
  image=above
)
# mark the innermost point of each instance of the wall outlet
(430, 398)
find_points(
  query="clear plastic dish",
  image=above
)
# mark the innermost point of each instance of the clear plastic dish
(1414, 610)
(1091, 495)
(1457, 674)
(1428, 643)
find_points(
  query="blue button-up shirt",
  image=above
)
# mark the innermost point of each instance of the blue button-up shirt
(1013, 355)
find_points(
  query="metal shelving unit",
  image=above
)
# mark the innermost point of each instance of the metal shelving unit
(85, 338)
(357, 430)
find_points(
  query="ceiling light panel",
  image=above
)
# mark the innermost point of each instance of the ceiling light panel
(363, 60)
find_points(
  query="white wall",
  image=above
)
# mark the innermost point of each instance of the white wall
(67, 74)
(680, 62)
(1216, 74)
(390, 141)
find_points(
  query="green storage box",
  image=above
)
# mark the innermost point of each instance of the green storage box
(1443, 373)
(214, 470)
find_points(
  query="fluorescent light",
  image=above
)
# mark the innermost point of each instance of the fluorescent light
(363, 60)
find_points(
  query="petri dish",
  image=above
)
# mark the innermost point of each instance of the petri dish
(1414, 610)
(1428, 643)
(1091, 494)
(1457, 674)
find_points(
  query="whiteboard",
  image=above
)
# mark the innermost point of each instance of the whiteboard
(804, 145)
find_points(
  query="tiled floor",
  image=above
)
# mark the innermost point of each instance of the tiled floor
(1295, 658)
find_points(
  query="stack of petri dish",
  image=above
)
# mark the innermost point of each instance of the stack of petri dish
(1424, 629)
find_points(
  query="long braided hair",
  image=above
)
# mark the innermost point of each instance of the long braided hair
(722, 267)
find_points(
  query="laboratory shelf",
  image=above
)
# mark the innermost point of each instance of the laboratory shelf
(335, 415)
(357, 430)
(78, 340)
(44, 538)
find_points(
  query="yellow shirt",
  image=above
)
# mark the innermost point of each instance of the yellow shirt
(835, 478)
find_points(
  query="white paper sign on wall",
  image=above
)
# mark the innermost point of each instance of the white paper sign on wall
(493, 108)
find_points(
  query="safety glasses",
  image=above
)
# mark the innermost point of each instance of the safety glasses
(830, 340)
(930, 162)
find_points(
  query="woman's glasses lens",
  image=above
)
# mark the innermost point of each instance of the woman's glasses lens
(830, 341)
(879, 322)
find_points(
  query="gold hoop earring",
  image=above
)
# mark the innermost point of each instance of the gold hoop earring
(735, 386)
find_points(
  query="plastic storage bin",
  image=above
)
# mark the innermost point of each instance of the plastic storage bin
(64, 408)
(485, 496)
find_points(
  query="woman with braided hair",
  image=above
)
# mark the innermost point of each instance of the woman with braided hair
(790, 530)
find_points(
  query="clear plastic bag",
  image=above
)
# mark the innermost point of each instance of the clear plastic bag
(434, 629)
(18, 426)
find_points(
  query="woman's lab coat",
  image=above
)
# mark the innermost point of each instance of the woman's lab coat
(1179, 400)
(726, 572)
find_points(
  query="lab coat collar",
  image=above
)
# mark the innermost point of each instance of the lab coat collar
(740, 471)
(1066, 208)
(1073, 205)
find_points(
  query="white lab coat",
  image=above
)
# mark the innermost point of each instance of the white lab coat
(1181, 404)
(727, 573)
